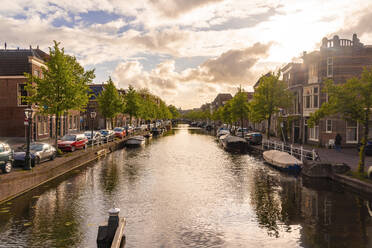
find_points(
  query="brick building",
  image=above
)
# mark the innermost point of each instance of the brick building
(13, 64)
(220, 100)
(339, 60)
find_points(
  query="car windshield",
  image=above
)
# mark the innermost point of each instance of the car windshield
(117, 129)
(36, 147)
(69, 138)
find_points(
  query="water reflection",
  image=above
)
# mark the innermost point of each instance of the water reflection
(183, 190)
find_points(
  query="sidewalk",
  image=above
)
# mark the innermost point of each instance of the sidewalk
(350, 156)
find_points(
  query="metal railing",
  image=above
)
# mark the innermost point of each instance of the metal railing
(298, 152)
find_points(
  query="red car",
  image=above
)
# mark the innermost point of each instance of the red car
(119, 132)
(71, 142)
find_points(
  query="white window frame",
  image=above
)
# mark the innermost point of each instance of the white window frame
(330, 65)
(331, 125)
(357, 133)
(314, 133)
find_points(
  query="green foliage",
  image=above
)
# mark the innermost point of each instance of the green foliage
(109, 101)
(240, 106)
(269, 98)
(62, 87)
(352, 101)
(132, 103)
(174, 111)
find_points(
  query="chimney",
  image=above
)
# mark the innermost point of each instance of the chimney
(5, 46)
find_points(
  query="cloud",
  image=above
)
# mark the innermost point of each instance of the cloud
(221, 74)
(174, 8)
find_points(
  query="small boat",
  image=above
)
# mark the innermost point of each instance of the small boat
(148, 135)
(156, 131)
(135, 141)
(234, 144)
(222, 132)
(282, 161)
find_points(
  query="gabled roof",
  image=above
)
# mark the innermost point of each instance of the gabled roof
(15, 62)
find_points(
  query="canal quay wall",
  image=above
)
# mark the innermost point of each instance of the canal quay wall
(19, 182)
(329, 171)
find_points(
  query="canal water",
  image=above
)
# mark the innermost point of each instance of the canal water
(184, 190)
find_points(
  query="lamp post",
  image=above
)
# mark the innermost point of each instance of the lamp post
(92, 116)
(29, 113)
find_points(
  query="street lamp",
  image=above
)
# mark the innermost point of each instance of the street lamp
(92, 116)
(29, 114)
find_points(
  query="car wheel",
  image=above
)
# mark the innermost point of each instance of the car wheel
(72, 148)
(7, 167)
(53, 156)
(37, 160)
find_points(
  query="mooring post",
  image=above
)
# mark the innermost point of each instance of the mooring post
(106, 234)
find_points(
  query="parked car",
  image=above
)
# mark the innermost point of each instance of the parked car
(368, 148)
(107, 135)
(254, 138)
(6, 158)
(97, 137)
(119, 132)
(239, 132)
(71, 142)
(39, 152)
(129, 129)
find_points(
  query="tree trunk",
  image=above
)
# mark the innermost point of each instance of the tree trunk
(56, 132)
(130, 120)
(112, 123)
(268, 127)
(242, 126)
(362, 154)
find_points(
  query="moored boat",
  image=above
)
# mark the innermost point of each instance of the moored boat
(282, 161)
(156, 131)
(234, 144)
(148, 135)
(135, 141)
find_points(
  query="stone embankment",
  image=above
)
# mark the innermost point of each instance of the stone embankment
(20, 181)
(336, 172)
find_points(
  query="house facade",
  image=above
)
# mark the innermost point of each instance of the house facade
(339, 60)
(13, 64)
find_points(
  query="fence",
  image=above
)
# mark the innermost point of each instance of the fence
(298, 152)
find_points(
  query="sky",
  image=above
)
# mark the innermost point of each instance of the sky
(185, 51)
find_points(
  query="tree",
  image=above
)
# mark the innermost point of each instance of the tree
(353, 101)
(174, 111)
(240, 107)
(62, 87)
(109, 101)
(269, 98)
(132, 104)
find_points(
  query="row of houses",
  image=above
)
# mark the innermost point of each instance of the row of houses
(337, 59)
(13, 64)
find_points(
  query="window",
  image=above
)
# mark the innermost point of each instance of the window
(316, 97)
(40, 125)
(314, 133)
(308, 101)
(351, 132)
(329, 126)
(329, 67)
(21, 94)
(313, 74)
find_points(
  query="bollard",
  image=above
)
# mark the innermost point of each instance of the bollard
(106, 234)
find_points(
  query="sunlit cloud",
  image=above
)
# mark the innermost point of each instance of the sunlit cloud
(143, 42)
